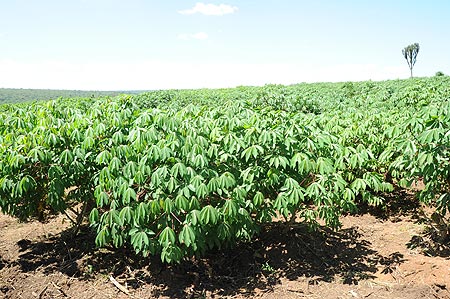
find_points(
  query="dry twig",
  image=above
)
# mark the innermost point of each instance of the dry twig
(119, 286)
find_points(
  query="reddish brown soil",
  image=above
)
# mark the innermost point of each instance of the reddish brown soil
(374, 255)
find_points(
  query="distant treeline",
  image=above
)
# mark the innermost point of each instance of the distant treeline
(11, 95)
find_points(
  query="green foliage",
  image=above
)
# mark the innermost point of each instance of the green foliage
(176, 173)
(10, 95)
(427, 155)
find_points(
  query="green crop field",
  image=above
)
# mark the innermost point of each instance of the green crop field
(176, 173)
(14, 95)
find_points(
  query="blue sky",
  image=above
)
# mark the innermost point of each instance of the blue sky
(149, 44)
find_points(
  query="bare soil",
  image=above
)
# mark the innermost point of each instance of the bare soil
(388, 253)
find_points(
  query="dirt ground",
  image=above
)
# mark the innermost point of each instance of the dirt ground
(377, 254)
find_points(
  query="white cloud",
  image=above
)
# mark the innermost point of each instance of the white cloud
(198, 35)
(210, 9)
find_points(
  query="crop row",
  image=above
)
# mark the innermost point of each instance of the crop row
(174, 178)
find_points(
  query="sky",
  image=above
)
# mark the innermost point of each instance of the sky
(150, 44)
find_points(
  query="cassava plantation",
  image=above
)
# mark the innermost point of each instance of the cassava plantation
(180, 177)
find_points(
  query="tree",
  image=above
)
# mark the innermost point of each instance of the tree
(410, 53)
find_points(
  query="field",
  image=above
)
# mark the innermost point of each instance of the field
(311, 190)
(14, 96)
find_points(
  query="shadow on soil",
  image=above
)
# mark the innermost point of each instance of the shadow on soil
(396, 205)
(279, 251)
(433, 241)
(430, 245)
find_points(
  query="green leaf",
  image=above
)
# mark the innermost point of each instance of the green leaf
(187, 235)
(296, 196)
(167, 237)
(224, 231)
(113, 217)
(230, 208)
(213, 185)
(324, 165)
(139, 240)
(178, 170)
(315, 190)
(141, 213)
(115, 164)
(139, 178)
(302, 163)
(93, 216)
(181, 202)
(37, 154)
(226, 180)
(209, 215)
(27, 183)
(103, 237)
(348, 194)
(172, 184)
(193, 217)
(88, 143)
(129, 195)
(281, 201)
(431, 135)
(201, 191)
(102, 199)
(171, 254)
(126, 215)
(196, 181)
(258, 199)
(358, 185)
(103, 158)
(168, 205)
